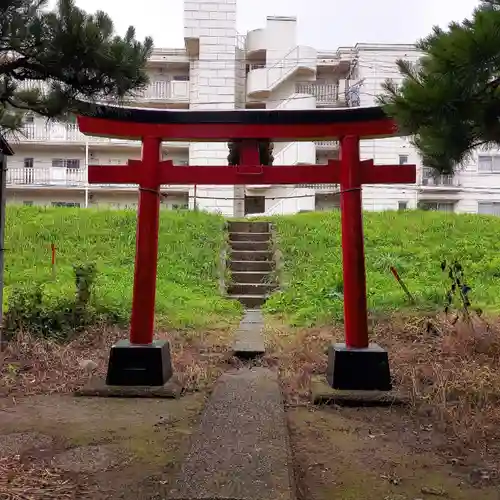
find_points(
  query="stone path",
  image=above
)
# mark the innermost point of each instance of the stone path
(241, 450)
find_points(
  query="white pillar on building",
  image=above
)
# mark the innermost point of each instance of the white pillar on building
(210, 35)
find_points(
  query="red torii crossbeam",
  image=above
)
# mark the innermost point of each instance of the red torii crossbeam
(345, 371)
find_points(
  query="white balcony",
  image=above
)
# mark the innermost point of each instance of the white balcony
(300, 62)
(55, 133)
(435, 183)
(159, 90)
(256, 41)
(38, 177)
(327, 94)
(294, 101)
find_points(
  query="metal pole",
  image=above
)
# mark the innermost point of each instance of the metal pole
(353, 254)
(3, 182)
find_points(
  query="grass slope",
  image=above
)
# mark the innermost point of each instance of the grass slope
(414, 242)
(189, 245)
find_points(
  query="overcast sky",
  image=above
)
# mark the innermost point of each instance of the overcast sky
(323, 24)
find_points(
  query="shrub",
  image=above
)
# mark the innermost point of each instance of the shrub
(29, 309)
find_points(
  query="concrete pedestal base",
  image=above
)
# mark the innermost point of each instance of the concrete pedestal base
(139, 365)
(97, 388)
(358, 369)
(323, 394)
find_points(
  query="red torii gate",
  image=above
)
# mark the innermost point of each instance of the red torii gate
(143, 361)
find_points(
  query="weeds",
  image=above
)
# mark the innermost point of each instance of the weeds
(59, 320)
(458, 292)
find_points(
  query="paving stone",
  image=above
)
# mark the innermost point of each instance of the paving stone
(241, 450)
(252, 316)
(248, 339)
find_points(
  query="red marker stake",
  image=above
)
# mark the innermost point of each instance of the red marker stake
(53, 248)
(403, 286)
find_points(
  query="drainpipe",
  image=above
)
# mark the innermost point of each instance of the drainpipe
(5, 151)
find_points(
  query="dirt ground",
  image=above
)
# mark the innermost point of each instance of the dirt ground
(100, 448)
(378, 454)
(445, 444)
(54, 445)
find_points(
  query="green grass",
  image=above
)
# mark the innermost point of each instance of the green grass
(187, 293)
(414, 242)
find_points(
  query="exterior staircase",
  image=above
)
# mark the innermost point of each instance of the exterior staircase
(251, 263)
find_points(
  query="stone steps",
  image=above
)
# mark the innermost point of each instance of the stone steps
(250, 246)
(251, 266)
(260, 255)
(250, 288)
(250, 301)
(250, 236)
(250, 262)
(248, 227)
(250, 276)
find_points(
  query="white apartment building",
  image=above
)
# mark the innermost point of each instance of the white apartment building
(266, 68)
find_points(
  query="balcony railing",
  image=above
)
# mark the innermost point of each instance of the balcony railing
(161, 90)
(327, 94)
(438, 180)
(321, 187)
(69, 133)
(326, 144)
(39, 177)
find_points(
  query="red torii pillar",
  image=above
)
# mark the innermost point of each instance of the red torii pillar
(149, 363)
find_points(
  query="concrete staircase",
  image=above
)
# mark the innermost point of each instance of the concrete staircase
(250, 262)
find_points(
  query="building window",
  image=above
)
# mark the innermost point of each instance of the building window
(443, 206)
(73, 164)
(488, 208)
(65, 204)
(402, 205)
(28, 203)
(29, 118)
(180, 78)
(403, 159)
(488, 164)
(69, 164)
(28, 163)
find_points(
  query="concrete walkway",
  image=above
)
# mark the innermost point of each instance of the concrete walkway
(241, 450)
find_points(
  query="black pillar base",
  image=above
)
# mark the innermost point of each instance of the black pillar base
(358, 369)
(139, 365)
